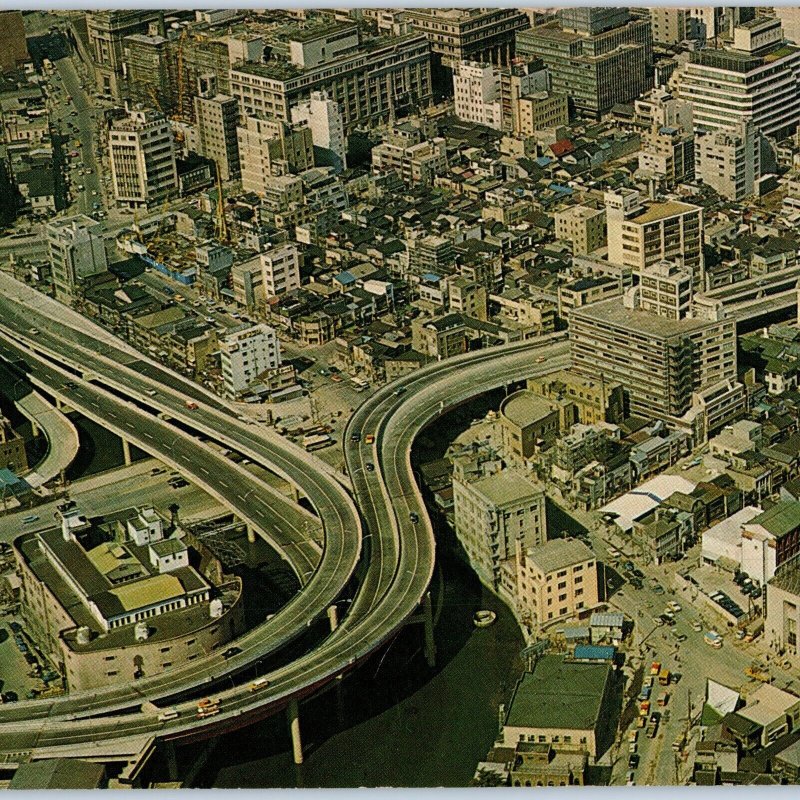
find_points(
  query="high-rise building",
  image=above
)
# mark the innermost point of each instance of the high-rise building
(142, 154)
(216, 118)
(271, 147)
(323, 117)
(756, 77)
(476, 91)
(469, 34)
(659, 361)
(522, 78)
(372, 84)
(729, 161)
(280, 268)
(639, 236)
(13, 47)
(669, 25)
(147, 70)
(495, 515)
(245, 353)
(106, 31)
(597, 57)
(76, 251)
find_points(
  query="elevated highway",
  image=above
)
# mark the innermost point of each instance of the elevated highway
(398, 564)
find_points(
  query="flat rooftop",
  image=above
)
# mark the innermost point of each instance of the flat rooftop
(613, 313)
(524, 407)
(559, 694)
(657, 211)
(559, 553)
(506, 487)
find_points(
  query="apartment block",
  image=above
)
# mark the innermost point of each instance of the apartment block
(407, 153)
(280, 270)
(495, 515)
(245, 353)
(583, 227)
(729, 160)
(476, 93)
(536, 112)
(556, 580)
(324, 119)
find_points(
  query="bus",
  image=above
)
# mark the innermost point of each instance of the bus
(317, 441)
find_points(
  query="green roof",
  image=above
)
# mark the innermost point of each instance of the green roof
(559, 694)
(782, 518)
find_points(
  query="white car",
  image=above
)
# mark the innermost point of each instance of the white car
(673, 606)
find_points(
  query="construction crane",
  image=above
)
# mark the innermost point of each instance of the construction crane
(220, 222)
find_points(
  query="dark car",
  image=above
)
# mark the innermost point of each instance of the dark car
(356, 437)
(9, 697)
(414, 517)
(633, 760)
(370, 466)
(629, 566)
(638, 573)
(231, 652)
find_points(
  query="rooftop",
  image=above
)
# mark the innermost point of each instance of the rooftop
(559, 694)
(781, 519)
(559, 553)
(525, 407)
(657, 211)
(506, 487)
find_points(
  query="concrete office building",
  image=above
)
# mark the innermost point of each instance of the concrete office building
(598, 57)
(660, 362)
(495, 515)
(216, 119)
(476, 93)
(13, 46)
(280, 269)
(270, 148)
(729, 160)
(142, 155)
(324, 119)
(555, 580)
(639, 236)
(245, 353)
(115, 599)
(106, 31)
(756, 78)
(469, 34)
(371, 84)
(528, 422)
(660, 108)
(669, 25)
(522, 78)
(539, 111)
(584, 227)
(76, 251)
(668, 155)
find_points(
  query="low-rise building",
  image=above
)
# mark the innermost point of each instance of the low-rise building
(529, 422)
(572, 705)
(584, 227)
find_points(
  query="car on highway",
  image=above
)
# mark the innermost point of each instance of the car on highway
(259, 683)
(633, 760)
(151, 392)
(231, 652)
(370, 466)
(191, 405)
(356, 437)
(369, 438)
(400, 390)
(540, 360)
(33, 331)
(414, 517)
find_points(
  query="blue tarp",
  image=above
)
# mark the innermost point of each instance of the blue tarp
(595, 652)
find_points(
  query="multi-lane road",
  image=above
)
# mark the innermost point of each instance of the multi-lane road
(399, 553)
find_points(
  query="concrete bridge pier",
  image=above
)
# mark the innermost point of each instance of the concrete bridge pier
(427, 621)
(126, 452)
(171, 752)
(294, 726)
(333, 617)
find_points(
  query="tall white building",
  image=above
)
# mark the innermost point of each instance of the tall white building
(476, 89)
(217, 117)
(324, 117)
(280, 268)
(142, 154)
(76, 251)
(665, 290)
(729, 160)
(756, 78)
(245, 353)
